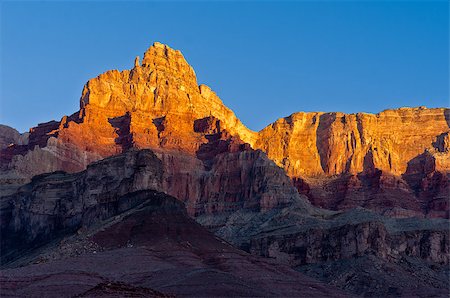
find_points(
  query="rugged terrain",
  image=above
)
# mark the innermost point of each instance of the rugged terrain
(153, 250)
(328, 194)
(283, 227)
(59, 202)
(396, 162)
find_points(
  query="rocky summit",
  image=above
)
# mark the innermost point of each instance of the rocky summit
(155, 188)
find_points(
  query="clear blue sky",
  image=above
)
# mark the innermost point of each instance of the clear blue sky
(265, 60)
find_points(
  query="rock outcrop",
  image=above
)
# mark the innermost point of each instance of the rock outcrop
(317, 144)
(339, 161)
(359, 251)
(353, 234)
(241, 181)
(9, 136)
(152, 250)
(241, 196)
(342, 161)
(154, 105)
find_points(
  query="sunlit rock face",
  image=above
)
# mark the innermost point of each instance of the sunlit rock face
(154, 105)
(314, 144)
(251, 189)
(339, 161)
(396, 162)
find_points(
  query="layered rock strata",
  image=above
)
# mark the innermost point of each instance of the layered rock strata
(358, 251)
(339, 161)
(342, 161)
(236, 181)
(315, 144)
(260, 212)
(152, 250)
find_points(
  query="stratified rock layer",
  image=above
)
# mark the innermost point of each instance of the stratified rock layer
(152, 250)
(257, 210)
(396, 162)
(314, 144)
(243, 181)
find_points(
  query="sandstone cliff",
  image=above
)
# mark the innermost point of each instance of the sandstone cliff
(342, 161)
(154, 105)
(317, 144)
(339, 161)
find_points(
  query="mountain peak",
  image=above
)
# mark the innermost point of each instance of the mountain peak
(162, 57)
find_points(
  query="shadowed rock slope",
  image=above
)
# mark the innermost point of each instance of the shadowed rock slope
(62, 203)
(282, 227)
(152, 250)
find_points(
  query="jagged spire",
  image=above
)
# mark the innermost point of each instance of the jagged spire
(136, 62)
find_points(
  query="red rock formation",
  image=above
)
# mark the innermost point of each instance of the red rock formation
(314, 144)
(342, 160)
(154, 105)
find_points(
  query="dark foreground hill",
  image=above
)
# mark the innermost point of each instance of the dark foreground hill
(152, 250)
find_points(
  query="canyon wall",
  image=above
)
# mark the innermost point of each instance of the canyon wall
(396, 162)
(152, 131)
(121, 202)
(241, 181)
(315, 144)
